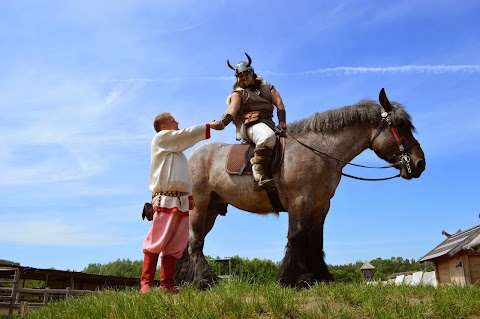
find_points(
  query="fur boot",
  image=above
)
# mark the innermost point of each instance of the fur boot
(260, 168)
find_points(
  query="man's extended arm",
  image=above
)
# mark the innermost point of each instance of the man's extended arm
(233, 107)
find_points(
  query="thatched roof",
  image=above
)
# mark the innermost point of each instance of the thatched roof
(367, 266)
(461, 240)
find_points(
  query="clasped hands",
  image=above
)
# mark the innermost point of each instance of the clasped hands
(191, 204)
(218, 125)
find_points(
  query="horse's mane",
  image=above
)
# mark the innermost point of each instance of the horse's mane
(364, 112)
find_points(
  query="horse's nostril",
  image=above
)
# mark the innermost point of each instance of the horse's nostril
(421, 165)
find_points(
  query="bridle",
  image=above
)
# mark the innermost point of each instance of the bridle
(405, 161)
(405, 158)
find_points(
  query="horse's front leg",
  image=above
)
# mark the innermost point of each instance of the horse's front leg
(315, 254)
(304, 261)
(193, 267)
(293, 271)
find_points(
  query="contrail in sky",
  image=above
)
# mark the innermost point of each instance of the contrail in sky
(348, 70)
(340, 70)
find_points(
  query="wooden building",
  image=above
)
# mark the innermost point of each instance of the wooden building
(61, 279)
(368, 271)
(457, 259)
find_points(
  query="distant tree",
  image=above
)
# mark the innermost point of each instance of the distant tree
(9, 263)
(93, 269)
(259, 270)
(264, 270)
(120, 267)
(383, 268)
(256, 270)
(346, 273)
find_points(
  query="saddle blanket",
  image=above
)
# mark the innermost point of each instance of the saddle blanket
(239, 155)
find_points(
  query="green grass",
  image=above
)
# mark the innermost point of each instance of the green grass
(237, 299)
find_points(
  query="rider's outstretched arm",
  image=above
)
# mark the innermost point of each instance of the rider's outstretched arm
(233, 107)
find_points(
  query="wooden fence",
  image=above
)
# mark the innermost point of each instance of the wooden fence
(13, 297)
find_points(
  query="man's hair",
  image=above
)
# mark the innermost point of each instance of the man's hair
(159, 120)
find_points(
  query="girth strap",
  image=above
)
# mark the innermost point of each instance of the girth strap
(275, 200)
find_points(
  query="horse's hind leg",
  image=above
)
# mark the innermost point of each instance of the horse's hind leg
(193, 267)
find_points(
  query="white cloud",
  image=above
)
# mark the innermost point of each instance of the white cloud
(54, 232)
(71, 137)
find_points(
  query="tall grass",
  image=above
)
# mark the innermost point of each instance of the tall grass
(237, 299)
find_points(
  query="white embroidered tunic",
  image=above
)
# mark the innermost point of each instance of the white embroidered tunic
(169, 168)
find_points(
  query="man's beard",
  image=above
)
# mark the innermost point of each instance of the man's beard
(243, 84)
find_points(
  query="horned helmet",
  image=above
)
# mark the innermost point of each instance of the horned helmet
(243, 67)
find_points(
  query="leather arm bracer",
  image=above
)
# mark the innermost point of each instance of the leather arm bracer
(226, 119)
(282, 116)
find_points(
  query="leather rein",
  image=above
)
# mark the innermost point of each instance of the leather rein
(405, 161)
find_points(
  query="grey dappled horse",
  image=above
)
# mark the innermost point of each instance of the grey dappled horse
(305, 181)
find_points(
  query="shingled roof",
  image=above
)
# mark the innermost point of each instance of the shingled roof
(461, 240)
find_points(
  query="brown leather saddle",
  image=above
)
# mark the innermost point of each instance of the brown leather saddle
(238, 163)
(239, 155)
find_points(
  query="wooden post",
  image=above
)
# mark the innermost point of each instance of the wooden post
(23, 308)
(46, 296)
(9, 293)
(230, 267)
(16, 279)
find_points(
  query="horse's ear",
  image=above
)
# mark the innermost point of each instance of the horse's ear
(382, 97)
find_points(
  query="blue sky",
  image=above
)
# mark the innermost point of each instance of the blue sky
(81, 82)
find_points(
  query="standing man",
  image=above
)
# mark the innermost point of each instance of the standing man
(250, 106)
(171, 198)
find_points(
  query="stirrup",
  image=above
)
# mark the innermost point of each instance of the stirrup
(264, 184)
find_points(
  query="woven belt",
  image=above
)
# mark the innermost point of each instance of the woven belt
(170, 194)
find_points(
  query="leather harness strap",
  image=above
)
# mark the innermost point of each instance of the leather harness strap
(275, 200)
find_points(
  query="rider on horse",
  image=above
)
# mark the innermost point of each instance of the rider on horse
(251, 106)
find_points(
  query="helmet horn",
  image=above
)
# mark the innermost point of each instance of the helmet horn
(249, 59)
(229, 65)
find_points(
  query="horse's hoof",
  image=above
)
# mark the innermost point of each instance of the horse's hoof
(327, 278)
(303, 284)
(204, 284)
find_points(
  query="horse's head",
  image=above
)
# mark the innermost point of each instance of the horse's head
(394, 142)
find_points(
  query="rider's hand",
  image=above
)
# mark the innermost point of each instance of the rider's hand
(216, 125)
(283, 126)
(191, 203)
